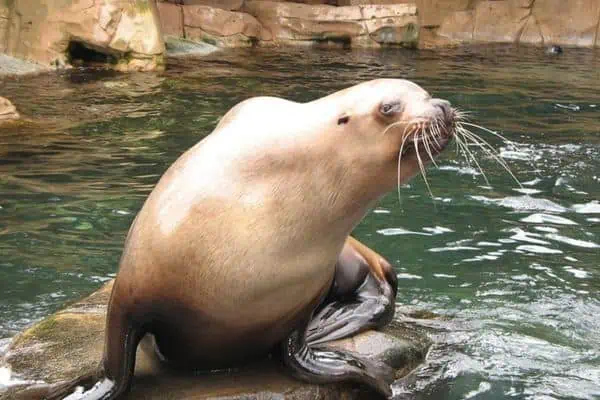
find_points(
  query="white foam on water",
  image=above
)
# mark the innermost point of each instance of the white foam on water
(484, 257)
(400, 231)
(549, 229)
(444, 276)
(404, 275)
(437, 230)
(540, 218)
(381, 211)
(483, 387)
(573, 242)
(523, 236)
(460, 170)
(577, 273)
(531, 203)
(523, 203)
(488, 244)
(451, 248)
(593, 207)
(571, 107)
(532, 182)
(538, 249)
(517, 155)
(527, 191)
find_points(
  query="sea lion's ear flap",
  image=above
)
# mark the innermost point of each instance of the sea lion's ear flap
(343, 119)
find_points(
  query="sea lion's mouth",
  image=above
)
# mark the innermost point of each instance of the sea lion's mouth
(427, 145)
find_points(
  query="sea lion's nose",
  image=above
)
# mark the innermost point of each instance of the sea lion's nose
(445, 107)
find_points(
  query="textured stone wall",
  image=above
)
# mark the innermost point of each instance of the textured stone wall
(273, 23)
(439, 22)
(43, 31)
(571, 23)
(131, 31)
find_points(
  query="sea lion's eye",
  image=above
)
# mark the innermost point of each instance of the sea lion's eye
(390, 108)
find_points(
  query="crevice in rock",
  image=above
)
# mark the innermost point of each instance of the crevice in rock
(343, 41)
(79, 53)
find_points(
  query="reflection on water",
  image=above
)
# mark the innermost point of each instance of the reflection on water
(512, 270)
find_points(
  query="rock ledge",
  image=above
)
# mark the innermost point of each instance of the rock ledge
(69, 344)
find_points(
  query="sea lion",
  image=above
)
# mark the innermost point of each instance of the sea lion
(554, 50)
(243, 246)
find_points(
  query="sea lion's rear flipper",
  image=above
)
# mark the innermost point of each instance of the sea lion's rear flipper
(321, 365)
(121, 343)
(362, 297)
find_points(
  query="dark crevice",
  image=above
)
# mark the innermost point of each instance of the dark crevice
(78, 53)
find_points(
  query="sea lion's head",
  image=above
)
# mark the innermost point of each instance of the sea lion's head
(400, 122)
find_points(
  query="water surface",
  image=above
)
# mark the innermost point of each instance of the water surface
(512, 271)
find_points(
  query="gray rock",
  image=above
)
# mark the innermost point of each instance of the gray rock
(180, 47)
(69, 344)
(13, 66)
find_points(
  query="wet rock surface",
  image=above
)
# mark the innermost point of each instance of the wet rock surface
(8, 112)
(125, 33)
(69, 344)
(274, 23)
(13, 66)
(375, 23)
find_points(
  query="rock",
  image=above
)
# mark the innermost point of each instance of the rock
(171, 19)
(13, 66)
(432, 13)
(228, 5)
(499, 21)
(357, 26)
(573, 22)
(532, 34)
(458, 26)
(8, 111)
(177, 47)
(222, 28)
(69, 344)
(127, 32)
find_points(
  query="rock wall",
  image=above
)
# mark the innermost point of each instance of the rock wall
(375, 23)
(8, 111)
(128, 34)
(125, 32)
(272, 23)
(539, 22)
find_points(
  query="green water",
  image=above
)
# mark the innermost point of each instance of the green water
(513, 271)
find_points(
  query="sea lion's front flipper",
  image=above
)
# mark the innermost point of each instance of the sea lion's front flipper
(362, 297)
(321, 365)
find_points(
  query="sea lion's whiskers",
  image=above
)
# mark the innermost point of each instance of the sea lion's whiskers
(486, 130)
(436, 132)
(399, 165)
(404, 140)
(487, 148)
(421, 166)
(461, 131)
(484, 144)
(461, 147)
(428, 150)
(394, 125)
